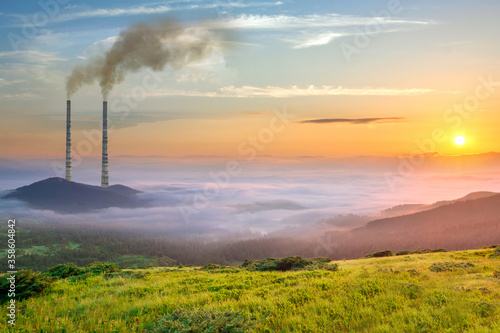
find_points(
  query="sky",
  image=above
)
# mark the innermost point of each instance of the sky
(401, 68)
(295, 88)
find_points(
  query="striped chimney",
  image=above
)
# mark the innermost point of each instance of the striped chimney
(68, 140)
(104, 174)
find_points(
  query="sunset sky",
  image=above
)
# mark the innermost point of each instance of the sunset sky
(425, 70)
(326, 107)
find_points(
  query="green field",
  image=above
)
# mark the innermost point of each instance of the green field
(437, 292)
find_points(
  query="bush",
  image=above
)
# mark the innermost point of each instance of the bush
(202, 320)
(449, 266)
(386, 253)
(289, 264)
(322, 260)
(211, 267)
(28, 284)
(495, 254)
(247, 263)
(98, 268)
(333, 268)
(80, 273)
(63, 271)
(419, 251)
(284, 264)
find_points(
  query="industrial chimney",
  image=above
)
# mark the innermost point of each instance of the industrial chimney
(68, 140)
(104, 174)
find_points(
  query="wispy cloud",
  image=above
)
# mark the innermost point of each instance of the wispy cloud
(161, 9)
(353, 121)
(309, 21)
(316, 40)
(295, 91)
(23, 96)
(141, 10)
(31, 56)
(315, 30)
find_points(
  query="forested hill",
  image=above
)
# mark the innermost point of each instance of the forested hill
(459, 225)
(62, 196)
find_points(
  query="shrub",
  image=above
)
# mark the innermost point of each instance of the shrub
(98, 268)
(63, 271)
(80, 273)
(28, 284)
(495, 254)
(449, 266)
(202, 320)
(284, 264)
(386, 253)
(289, 264)
(333, 268)
(419, 251)
(211, 267)
(322, 260)
(247, 263)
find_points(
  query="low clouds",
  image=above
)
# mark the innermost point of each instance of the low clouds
(353, 121)
(267, 206)
(262, 199)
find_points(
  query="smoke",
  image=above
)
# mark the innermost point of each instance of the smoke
(143, 46)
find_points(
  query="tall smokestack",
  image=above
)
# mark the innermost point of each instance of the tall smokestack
(68, 140)
(104, 175)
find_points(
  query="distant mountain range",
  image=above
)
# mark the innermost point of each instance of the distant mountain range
(465, 223)
(416, 208)
(62, 196)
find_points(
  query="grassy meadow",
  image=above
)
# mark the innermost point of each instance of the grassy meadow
(436, 292)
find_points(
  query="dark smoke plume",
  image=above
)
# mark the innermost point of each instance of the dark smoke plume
(143, 46)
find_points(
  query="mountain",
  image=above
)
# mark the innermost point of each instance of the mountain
(462, 224)
(416, 208)
(62, 196)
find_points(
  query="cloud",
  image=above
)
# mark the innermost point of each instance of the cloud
(154, 10)
(23, 96)
(31, 56)
(264, 198)
(260, 22)
(314, 30)
(353, 121)
(267, 206)
(294, 91)
(140, 10)
(316, 40)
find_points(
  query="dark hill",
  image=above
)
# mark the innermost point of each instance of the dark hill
(459, 225)
(462, 224)
(416, 208)
(60, 195)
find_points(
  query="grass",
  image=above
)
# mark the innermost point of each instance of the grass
(36, 249)
(390, 294)
(74, 246)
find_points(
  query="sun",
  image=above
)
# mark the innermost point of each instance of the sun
(460, 140)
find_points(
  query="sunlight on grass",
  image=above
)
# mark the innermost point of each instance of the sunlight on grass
(393, 294)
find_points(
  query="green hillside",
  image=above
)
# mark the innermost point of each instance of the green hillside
(436, 292)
